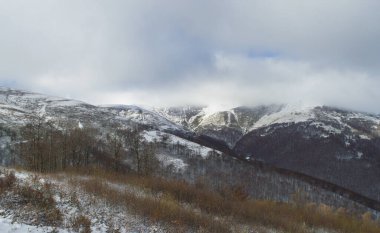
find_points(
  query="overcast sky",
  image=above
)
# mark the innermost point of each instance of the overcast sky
(164, 52)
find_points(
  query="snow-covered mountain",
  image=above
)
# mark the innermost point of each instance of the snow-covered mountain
(17, 106)
(227, 125)
(339, 146)
(231, 125)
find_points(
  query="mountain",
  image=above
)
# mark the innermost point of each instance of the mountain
(338, 146)
(228, 125)
(17, 106)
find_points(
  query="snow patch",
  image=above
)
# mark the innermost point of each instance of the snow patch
(42, 111)
(151, 136)
(168, 160)
(212, 109)
(364, 137)
(289, 114)
(21, 175)
(327, 128)
(65, 103)
(154, 135)
(8, 226)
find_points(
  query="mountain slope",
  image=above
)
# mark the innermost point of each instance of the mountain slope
(341, 147)
(338, 146)
(17, 107)
(228, 125)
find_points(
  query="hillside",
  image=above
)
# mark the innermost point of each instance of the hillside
(101, 201)
(323, 142)
(242, 149)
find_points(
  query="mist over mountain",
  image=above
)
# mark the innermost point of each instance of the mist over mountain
(171, 54)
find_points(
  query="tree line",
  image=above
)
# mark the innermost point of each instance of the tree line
(45, 146)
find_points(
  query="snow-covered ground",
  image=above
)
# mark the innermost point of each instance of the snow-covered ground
(176, 160)
(104, 217)
(72, 201)
(289, 114)
(155, 135)
(8, 226)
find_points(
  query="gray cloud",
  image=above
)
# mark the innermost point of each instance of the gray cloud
(194, 52)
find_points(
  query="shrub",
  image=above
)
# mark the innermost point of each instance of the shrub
(41, 199)
(164, 208)
(232, 203)
(81, 224)
(7, 181)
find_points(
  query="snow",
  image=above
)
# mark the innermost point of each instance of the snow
(8, 107)
(65, 103)
(142, 116)
(42, 111)
(8, 226)
(203, 151)
(21, 175)
(179, 164)
(212, 109)
(327, 128)
(167, 160)
(7, 223)
(101, 214)
(364, 137)
(375, 120)
(216, 119)
(289, 114)
(151, 136)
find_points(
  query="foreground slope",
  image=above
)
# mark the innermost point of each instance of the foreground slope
(102, 201)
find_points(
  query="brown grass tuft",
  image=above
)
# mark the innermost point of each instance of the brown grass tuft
(81, 224)
(41, 199)
(7, 181)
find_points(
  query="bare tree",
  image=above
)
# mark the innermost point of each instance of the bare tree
(133, 140)
(115, 144)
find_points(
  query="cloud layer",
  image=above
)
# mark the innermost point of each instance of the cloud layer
(194, 52)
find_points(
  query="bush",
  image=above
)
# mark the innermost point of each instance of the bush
(81, 224)
(7, 181)
(232, 204)
(41, 199)
(164, 208)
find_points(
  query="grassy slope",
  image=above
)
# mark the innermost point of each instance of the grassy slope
(89, 200)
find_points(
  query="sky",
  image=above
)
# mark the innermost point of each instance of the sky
(177, 52)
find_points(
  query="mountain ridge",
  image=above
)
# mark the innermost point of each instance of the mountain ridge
(323, 142)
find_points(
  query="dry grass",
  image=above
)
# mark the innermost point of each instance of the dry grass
(232, 204)
(285, 216)
(7, 181)
(156, 209)
(81, 224)
(40, 199)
